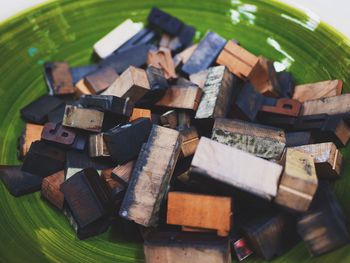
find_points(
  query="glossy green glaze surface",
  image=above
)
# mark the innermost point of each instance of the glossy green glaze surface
(33, 231)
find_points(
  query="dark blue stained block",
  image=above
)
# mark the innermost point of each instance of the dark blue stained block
(287, 84)
(164, 21)
(80, 72)
(145, 36)
(205, 54)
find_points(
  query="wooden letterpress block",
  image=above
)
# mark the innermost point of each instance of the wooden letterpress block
(32, 133)
(218, 90)
(284, 106)
(87, 196)
(133, 83)
(238, 168)
(124, 142)
(199, 78)
(323, 227)
(169, 119)
(286, 83)
(108, 103)
(78, 73)
(50, 189)
(263, 77)
(184, 119)
(182, 57)
(248, 103)
(328, 159)
(43, 159)
(299, 181)
(18, 182)
(98, 146)
(332, 106)
(134, 56)
(81, 89)
(56, 116)
(38, 110)
(200, 211)
(164, 21)
(162, 59)
(144, 36)
(140, 113)
(116, 188)
(186, 36)
(294, 139)
(100, 79)
(205, 54)
(85, 119)
(190, 140)
(144, 194)
(181, 98)
(271, 235)
(260, 140)
(237, 59)
(123, 172)
(160, 247)
(318, 90)
(59, 78)
(117, 37)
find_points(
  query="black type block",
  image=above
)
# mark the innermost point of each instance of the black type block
(164, 21)
(87, 197)
(19, 183)
(56, 116)
(124, 142)
(205, 54)
(107, 103)
(145, 36)
(323, 226)
(294, 139)
(271, 235)
(43, 159)
(287, 84)
(37, 111)
(79, 73)
(135, 56)
(186, 35)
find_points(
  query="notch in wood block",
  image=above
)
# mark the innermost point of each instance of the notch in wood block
(145, 194)
(162, 59)
(328, 159)
(108, 103)
(323, 227)
(85, 119)
(336, 105)
(87, 196)
(169, 119)
(218, 91)
(190, 141)
(31, 133)
(174, 247)
(50, 189)
(238, 168)
(286, 83)
(122, 173)
(18, 182)
(37, 111)
(181, 98)
(299, 181)
(59, 78)
(264, 78)
(98, 146)
(318, 90)
(200, 211)
(116, 38)
(182, 57)
(205, 54)
(43, 159)
(237, 59)
(133, 83)
(138, 113)
(124, 142)
(100, 79)
(284, 106)
(260, 140)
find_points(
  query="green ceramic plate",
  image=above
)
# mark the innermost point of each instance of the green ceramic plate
(33, 231)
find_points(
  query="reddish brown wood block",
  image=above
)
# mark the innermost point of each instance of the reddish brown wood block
(284, 106)
(181, 98)
(50, 189)
(140, 113)
(162, 59)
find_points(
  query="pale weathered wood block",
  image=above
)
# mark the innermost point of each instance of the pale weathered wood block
(97, 146)
(260, 140)
(181, 98)
(331, 106)
(237, 168)
(299, 181)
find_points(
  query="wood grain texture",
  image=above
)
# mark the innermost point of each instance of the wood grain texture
(328, 159)
(50, 189)
(200, 211)
(331, 105)
(85, 119)
(298, 182)
(260, 140)
(100, 79)
(59, 78)
(181, 98)
(151, 176)
(140, 113)
(318, 90)
(132, 83)
(190, 140)
(81, 89)
(217, 93)
(236, 168)
(32, 133)
(123, 172)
